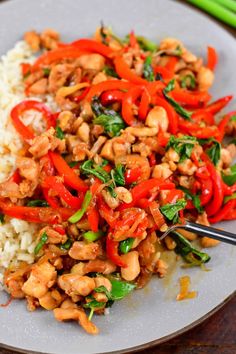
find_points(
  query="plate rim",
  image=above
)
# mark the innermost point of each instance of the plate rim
(150, 344)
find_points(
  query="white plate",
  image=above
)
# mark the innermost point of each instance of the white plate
(150, 314)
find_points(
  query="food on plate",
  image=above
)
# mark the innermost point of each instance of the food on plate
(105, 143)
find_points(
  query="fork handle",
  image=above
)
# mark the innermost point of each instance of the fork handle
(211, 232)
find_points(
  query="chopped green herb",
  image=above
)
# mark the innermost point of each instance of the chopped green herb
(108, 118)
(46, 72)
(38, 203)
(188, 81)
(233, 118)
(59, 133)
(42, 241)
(2, 218)
(126, 245)
(180, 110)
(189, 253)
(117, 175)
(230, 179)
(92, 236)
(194, 198)
(183, 146)
(80, 213)
(89, 168)
(93, 305)
(214, 149)
(148, 72)
(119, 290)
(170, 211)
(72, 163)
(110, 71)
(145, 44)
(67, 245)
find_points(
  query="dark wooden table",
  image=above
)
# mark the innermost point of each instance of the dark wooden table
(216, 335)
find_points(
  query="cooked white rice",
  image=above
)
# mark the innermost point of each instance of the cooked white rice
(16, 236)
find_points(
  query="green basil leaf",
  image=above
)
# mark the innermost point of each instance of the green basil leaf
(126, 245)
(80, 213)
(120, 289)
(194, 198)
(169, 87)
(89, 168)
(233, 118)
(59, 133)
(38, 203)
(46, 71)
(112, 124)
(117, 175)
(183, 146)
(145, 44)
(188, 81)
(230, 179)
(110, 71)
(67, 245)
(72, 163)
(148, 72)
(189, 253)
(42, 241)
(170, 211)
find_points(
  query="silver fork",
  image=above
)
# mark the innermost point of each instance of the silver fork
(202, 230)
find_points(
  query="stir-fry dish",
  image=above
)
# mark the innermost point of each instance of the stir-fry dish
(120, 140)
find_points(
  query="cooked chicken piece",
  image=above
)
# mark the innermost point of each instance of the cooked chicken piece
(50, 38)
(187, 167)
(94, 62)
(51, 300)
(97, 145)
(100, 266)
(65, 120)
(112, 202)
(45, 142)
(83, 132)
(42, 277)
(32, 38)
(133, 161)
(83, 251)
(28, 168)
(205, 78)
(100, 77)
(39, 87)
(74, 284)
(14, 287)
(54, 237)
(123, 194)
(102, 281)
(162, 171)
(58, 76)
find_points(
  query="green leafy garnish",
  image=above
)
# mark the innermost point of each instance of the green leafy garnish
(194, 198)
(46, 72)
(148, 72)
(230, 179)
(188, 81)
(2, 218)
(80, 213)
(214, 150)
(108, 118)
(72, 163)
(180, 110)
(67, 245)
(233, 118)
(171, 211)
(42, 241)
(38, 203)
(59, 133)
(126, 245)
(93, 305)
(110, 71)
(117, 175)
(90, 168)
(92, 236)
(119, 290)
(189, 253)
(183, 146)
(145, 44)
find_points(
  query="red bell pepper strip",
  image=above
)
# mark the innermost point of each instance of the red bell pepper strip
(91, 45)
(173, 195)
(162, 138)
(15, 177)
(98, 89)
(112, 252)
(132, 175)
(222, 125)
(133, 40)
(155, 87)
(80, 97)
(25, 69)
(144, 104)
(111, 96)
(227, 189)
(188, 98)
(49, 170)
(67, 52)
(124, 71)
(127, 105)
(218, 193)
(164, 72)
(93, 218)
(194, 130)
(54, 183)
(212, 58)
(69, 175)
(36, 214)
(201, 116)
(222, 213)
(218, 105)
(170, 65)
(231, 215)
(172, 116)
(106, 212)
(25, 132)
(156, 214)
(152, 159)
